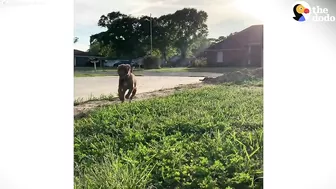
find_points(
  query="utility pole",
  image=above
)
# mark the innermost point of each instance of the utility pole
(151, 34)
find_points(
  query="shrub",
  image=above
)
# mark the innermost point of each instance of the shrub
(151, 62)
(171, 64)
(199, 62)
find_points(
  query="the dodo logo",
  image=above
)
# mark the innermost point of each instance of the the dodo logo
(301, 11)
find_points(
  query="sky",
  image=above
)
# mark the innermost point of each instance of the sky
(224, 16)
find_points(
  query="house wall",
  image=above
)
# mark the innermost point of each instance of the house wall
(256, 55)
(82, 62)
(230, 58)
(238, 57)
(85, 62)
(242, 40)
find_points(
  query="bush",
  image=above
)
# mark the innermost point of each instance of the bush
(151, 62)
(171, 64)
(199, 62)
(178, 63)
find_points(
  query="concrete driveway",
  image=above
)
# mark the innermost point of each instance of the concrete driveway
(96, 86)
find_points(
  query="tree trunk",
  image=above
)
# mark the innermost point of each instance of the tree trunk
(183, 50)
(164, 54)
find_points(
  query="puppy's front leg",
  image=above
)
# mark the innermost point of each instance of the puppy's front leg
(121, 94)
(133, 92)
(129, 93)
(134, 89)
(121, 91)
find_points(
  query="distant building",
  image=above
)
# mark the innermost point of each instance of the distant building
(177, 61)
(245, 49)
(82, 59)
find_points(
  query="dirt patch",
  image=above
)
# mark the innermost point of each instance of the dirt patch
(83, 109)
(236, 76)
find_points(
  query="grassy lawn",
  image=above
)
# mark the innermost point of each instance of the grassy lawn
(100, 72)
(180, 69)
(210, 137)
(90, 69)
(215, 69)
(89, 72)
(81, 74)
(199, 69)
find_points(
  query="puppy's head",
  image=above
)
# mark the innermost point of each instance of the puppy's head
(124, 70)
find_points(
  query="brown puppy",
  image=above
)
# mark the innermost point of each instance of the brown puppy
(127, 81)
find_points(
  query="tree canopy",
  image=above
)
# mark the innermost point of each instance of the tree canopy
(128, 36)
(183, 33)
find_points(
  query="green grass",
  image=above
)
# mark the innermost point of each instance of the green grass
(92, 69)
(80, 74)
(100, 69)
(179, 69)
(198, 69)
(216, 69)
(89, 72)
(109, 97)
(99, 73)
(210, 137)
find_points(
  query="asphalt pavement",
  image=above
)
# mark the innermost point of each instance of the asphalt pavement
(97, 86)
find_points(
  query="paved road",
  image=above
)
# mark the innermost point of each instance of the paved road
(96, 86)
(182, 74)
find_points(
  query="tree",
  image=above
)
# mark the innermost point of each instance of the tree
(104, 50)
(122, 34)
(200, 45)
(164, 35)
(189, 25)
(128, 36)
(220, 38)
(95, 48)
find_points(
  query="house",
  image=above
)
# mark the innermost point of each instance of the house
(244, 49)
(83, 59)
(176, 60)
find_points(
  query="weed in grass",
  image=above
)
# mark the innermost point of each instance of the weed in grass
(201, 138)
(114, 173)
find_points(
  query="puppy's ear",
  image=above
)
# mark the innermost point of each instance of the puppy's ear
(128, 68)
(119, 67)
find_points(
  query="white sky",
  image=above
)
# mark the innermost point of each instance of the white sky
(223, 15)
